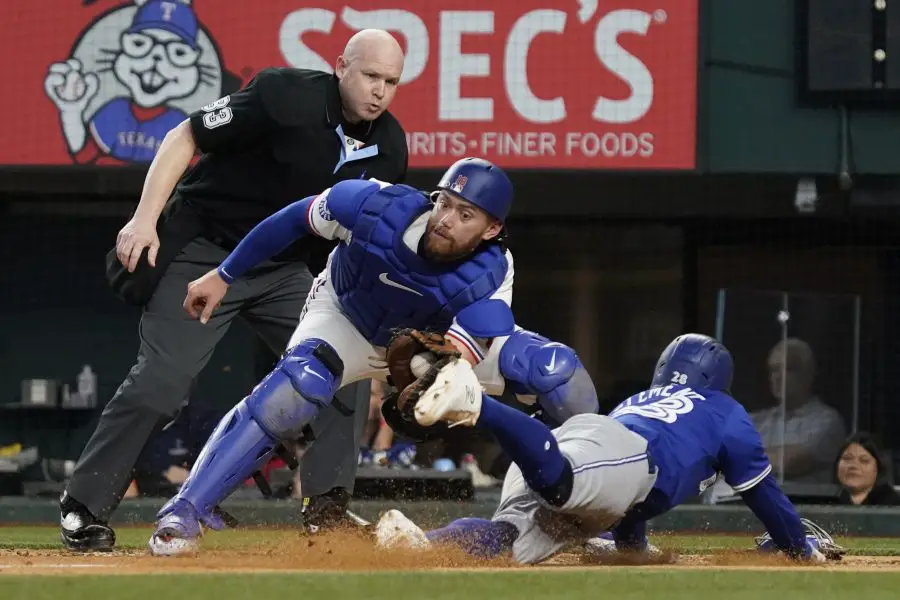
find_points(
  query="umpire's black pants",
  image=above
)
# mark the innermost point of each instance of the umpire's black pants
(174, 349)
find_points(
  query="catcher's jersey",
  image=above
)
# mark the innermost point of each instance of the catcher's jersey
(693, 437)
(380, 279)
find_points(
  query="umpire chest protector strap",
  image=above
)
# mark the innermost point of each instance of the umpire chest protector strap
(382, 284)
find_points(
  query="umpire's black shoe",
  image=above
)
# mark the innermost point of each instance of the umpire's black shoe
(80, 531)
(329, 511)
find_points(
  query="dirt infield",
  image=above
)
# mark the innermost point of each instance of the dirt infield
(343, 552)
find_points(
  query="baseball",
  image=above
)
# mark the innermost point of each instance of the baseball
(783, 316)
(420, 363)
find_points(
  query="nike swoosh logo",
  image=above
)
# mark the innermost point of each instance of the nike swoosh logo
(306, 369)
(383, 278)
(552, 361)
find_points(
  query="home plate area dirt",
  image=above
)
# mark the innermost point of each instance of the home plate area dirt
(351, 552)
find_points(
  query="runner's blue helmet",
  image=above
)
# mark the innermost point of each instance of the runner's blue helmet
(697, 361)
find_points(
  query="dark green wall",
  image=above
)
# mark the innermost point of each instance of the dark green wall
(748, 91)
(57, 314)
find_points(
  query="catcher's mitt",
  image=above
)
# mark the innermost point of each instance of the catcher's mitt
(815, 535)
(406, 345)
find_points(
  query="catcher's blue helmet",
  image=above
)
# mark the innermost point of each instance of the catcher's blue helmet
(482, 183)
(695, 360)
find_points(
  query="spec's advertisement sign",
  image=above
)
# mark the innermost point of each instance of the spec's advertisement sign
(606, 84)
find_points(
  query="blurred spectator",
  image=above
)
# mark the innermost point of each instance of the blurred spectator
(809, 433)
(166, 460)
(861, 472)
(379, 447)
(469, 448)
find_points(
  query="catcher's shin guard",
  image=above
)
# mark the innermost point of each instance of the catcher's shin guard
(303, 381)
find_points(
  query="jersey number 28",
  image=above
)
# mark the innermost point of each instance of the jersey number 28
(678, 377)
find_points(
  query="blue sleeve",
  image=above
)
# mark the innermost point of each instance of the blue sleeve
(742, 458)
(346, 198)
(272, 235)
(777, 514)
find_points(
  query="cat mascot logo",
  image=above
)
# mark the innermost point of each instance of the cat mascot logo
(133, 74)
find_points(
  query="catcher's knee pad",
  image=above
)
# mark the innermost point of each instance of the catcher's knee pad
(551, 371)
(304, 380)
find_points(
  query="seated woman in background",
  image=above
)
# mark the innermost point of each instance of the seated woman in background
(862, 474)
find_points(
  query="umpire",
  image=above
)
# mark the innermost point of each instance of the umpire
(290, 133)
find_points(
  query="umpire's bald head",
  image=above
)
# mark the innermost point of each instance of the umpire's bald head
(369, 71)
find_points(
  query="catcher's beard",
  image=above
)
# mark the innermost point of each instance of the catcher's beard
(446, 249)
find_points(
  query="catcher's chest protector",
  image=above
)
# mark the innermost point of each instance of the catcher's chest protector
(382, 284)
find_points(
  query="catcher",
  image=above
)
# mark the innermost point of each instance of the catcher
(406, 259)
(597, 474)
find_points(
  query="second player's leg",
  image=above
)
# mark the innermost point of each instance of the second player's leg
(539, 481)
(591, 468)
(482, 538)
(522, 525)
(540, 470)
(607, 470)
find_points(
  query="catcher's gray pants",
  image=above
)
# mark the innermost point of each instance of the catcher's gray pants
(174, 349)
(612, 472)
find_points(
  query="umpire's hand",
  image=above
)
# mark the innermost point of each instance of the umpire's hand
(204, 295)
(131, 241)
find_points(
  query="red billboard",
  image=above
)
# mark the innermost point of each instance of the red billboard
(525, 83)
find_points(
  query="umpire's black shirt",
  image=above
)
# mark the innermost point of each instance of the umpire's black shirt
(281, 138)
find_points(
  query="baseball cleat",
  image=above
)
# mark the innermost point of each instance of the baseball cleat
(604, 544)
(177, 532)
(329, 511)
(395, 530)
(454, 397)
(80, 531)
